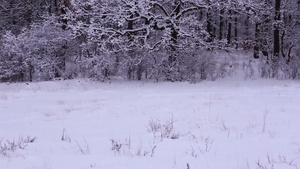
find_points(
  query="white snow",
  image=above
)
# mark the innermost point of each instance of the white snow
(223, 124)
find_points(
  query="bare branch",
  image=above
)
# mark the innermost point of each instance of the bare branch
(162, 8)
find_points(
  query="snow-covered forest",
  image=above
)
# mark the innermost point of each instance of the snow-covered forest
(113, 84)
(173, 40)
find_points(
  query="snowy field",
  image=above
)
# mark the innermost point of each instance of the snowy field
(79, 124)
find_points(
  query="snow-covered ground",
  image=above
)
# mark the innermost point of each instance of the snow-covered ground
(80, 124)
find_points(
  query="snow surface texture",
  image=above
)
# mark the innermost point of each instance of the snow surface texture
(79, 124)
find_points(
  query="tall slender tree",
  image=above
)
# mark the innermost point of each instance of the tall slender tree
(277, 19)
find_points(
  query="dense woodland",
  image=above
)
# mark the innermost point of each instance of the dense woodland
(171, 40)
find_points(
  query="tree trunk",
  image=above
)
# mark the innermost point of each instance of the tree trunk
(236, 31)
(276, 29)
(208, 23)
(131, 52)
(174, 34)
(229, 29)
(256, 45)
(221, 25)
(247, 33)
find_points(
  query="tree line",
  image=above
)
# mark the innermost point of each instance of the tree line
(170, 40)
